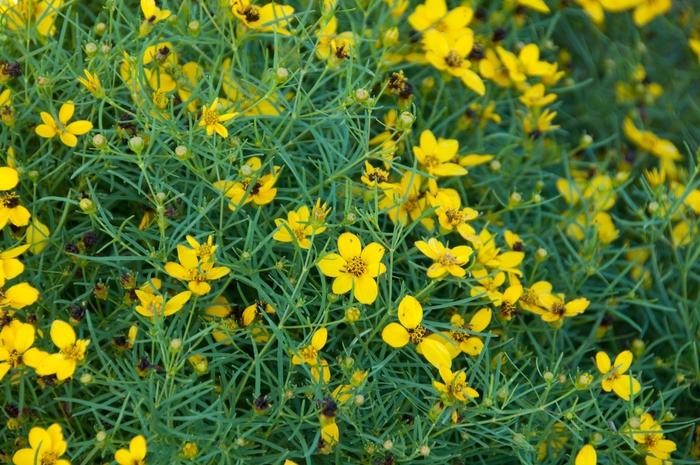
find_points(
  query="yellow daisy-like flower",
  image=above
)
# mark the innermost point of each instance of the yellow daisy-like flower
(651, 437)
(437, 155)
(197, 273)
(92, 83)
(72, 352)
(454, 387)
(211, 120)
(451, 215)
(16, 339)
(153, 304)
(397, 335)
(452, 56)
(297, 228)
(67, 132)
(46, 447)
(614, 377)
(271, 17)
(354, 267)
(135, 454)
(151, 16)
(310, 355)
(446, 260)
(554, 309)
(463, 337)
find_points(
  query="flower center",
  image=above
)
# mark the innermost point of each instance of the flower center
(417, 334)
(507, 309)
(454, 216)
(453, 60)
(211, 117)
(356, 266)
(309, 353)
(48, 458)
(448, 260)
(251, 13)
(9, 200)
(72, 352)
(14, 359)
(558, 309)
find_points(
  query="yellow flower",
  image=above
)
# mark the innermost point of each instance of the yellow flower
(506, 301)
(271, 17)
(136, 453)
(152, 15)
(433, 15)
(66, 132)
(258, 189)
(17, 297)
(397, 335)
(437, 155)
(614, 377)
(586, 456)
(309, 355)
(454, 387)
(46, 447)
(492, 68)
(153, 304)
(490, 256)
(647, 10)
(16, 339)
(468, 343)
(72, 352)
(536, 97)
(40, 14)
(451, 215)
(296, 228)
(197, 273)
(452, 56)
(354, 268)
(10, 266)
(211, 120)
(526, 63)
(445, 260)
(375, 177)
(406, 200)
(92, 83)
(647, 140)
(554, 309)
(332, 46)
(540, 122)
(650, 436)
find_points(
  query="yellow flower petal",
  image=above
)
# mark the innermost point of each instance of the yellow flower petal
(62, 334)
(410, 312)
(395, 335)
(586, 456)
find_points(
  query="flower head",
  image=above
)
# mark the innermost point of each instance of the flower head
(614, 377)
(67, 132)
(211, 120)
(454, 387)
(195, 271)
(310, 355)
(445, 260)
(16, 339)
(437, 156)
(354, 267)
(71, 352)
(152, 303)
(46, 447)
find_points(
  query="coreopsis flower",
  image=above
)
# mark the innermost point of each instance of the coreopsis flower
(614, 377)
(67, 132)
(309, 355)
(10, 266)
(531, 301)
(153, 304)
(16, 339)
(46, 447)
(135, 454)
(71, 352)
(462, 334)
(451, 215)
(38, 14)
(211, 119)
(526, 63)
(650, 437)
(445, 260)
(454, 387)
(332, 46)
(410, 313)
(650, 142)
(437, 156)
(434, 16)
(205, 251)
(375, 177)
(297, 228)
(538, 122)
(272, 17)
(586, 456)
(92, 83)
(354, 268)
(452, 57)
(554, 309)
(646, 10)
(7, 112)
(506, 301)
(196, 272)
(406, 200)
(490, 256)
(11, 211)
(152, 15)
(17, 296)
(254, 187)
(536, 96)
